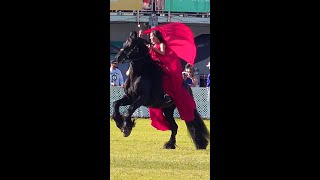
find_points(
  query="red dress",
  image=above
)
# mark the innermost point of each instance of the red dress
(179, 43)
(172, 85)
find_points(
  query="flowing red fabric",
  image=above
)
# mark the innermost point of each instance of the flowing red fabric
(172, 81)
(179, 38)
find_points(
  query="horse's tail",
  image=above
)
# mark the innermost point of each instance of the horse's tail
(198, 131)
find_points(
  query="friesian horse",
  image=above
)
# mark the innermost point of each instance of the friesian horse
(144, 88)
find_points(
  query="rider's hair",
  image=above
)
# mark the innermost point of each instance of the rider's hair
(158, 34)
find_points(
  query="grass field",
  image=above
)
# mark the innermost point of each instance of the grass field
(141, 155)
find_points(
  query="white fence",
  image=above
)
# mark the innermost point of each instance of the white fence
(201, 96)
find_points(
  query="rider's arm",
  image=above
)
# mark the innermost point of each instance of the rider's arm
(162, 49)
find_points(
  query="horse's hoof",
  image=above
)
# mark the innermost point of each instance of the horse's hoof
(126, 132)
(201, 147)
(169, 145)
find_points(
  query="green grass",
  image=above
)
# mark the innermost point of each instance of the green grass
(141, 155)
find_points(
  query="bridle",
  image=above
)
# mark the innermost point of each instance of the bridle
(127, 54)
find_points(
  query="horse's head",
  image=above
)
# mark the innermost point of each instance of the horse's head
(133, 49)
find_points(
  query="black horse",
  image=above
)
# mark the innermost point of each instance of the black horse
(144, 88)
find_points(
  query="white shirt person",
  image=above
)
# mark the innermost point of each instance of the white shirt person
(116, 78)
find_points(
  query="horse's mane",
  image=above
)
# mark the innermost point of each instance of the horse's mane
(150, 65)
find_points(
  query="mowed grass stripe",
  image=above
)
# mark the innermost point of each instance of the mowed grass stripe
(157, 174)
(141, 155)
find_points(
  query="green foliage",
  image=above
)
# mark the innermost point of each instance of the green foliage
(141, 155)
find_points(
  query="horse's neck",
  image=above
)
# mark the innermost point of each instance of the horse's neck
(141, 68)
(137, 67)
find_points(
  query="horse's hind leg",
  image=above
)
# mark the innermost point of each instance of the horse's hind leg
(116, 114)
(168, 113)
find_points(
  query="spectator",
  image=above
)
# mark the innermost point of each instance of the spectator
(208, 79)
(116, 78)
(190, 70)
(185, 78)
(146, 5)
(160, 4)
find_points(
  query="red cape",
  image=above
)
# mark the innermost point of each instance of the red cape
(179, 38)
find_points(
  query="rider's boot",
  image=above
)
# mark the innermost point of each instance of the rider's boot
(167, 98)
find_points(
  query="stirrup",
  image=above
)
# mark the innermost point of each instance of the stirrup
(167, 98)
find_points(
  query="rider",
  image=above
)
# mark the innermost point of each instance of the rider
(172, 81)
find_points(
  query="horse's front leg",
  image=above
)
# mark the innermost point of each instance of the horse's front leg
(125, 100)
(128, 124)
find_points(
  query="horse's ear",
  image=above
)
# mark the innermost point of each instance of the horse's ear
(133, 34)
